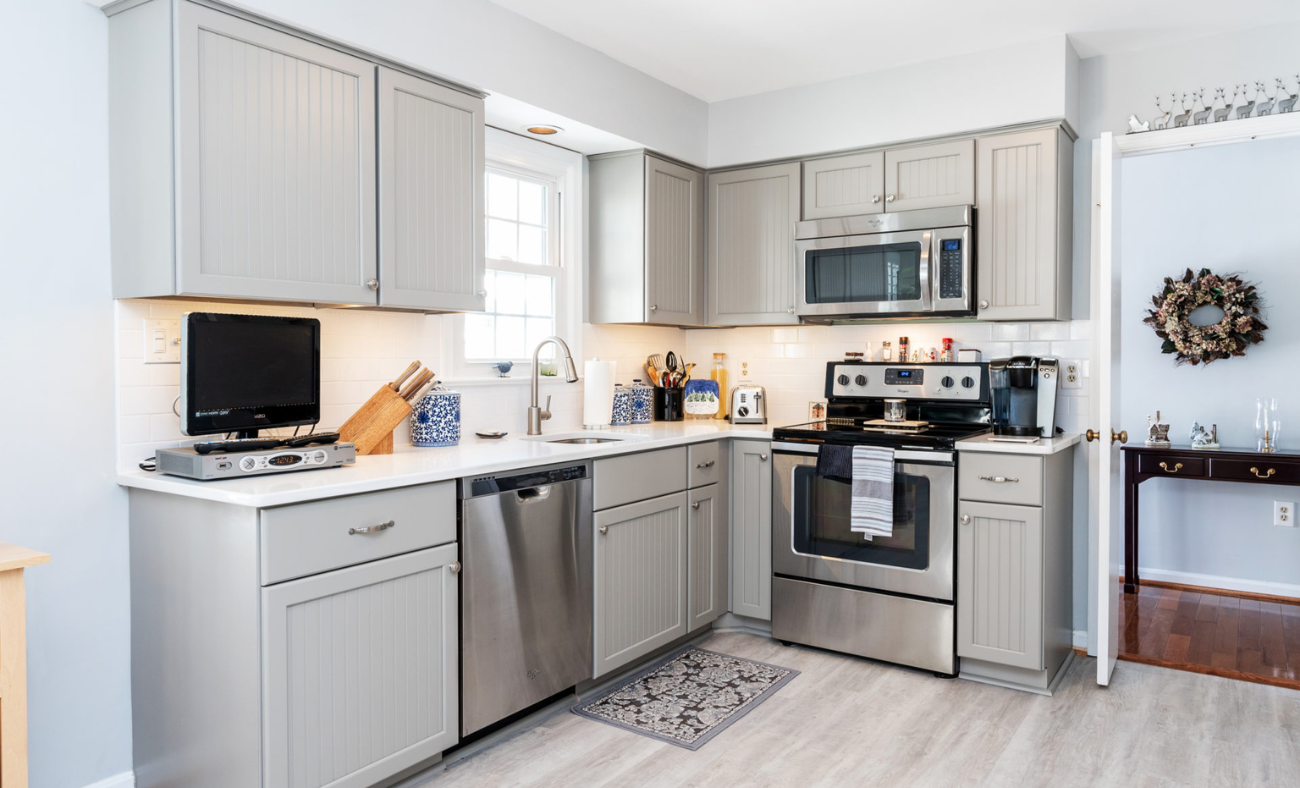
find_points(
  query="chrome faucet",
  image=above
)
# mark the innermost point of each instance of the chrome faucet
(537, 415)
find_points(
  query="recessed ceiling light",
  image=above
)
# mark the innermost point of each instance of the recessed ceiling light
(543, 129)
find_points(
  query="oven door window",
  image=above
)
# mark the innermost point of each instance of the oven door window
(821, 521)
(885, 273)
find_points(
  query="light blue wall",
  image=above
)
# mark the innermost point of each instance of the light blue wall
(1233, 208)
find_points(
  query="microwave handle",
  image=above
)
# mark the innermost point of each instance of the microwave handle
(926, 258)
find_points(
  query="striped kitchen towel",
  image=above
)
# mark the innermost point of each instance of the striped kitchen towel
(871, 510)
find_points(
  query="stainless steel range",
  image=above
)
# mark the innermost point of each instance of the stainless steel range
(888, 598)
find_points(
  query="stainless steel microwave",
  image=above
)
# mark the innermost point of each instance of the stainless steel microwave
(905, 264)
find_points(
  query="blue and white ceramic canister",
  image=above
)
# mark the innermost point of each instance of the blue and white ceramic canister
(622, 406)
(436, 419)
(642, 402)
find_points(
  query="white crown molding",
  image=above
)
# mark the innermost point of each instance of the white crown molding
(1222, 133)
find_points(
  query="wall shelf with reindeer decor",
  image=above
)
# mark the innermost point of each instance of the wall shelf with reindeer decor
(1286, 124)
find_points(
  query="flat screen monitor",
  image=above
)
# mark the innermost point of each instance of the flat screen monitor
(244, 373)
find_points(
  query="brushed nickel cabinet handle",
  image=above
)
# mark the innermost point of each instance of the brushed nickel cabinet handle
(984, 304)
(1271, 471)
(372, 529)
(604, 529)
(373, 284)
(762, 457)
(999, 479)
(965, 519)
(454, 566)
(695, 505)
(790, 310)
(1178, 466)
(875, 198)
(654, 307)
(482, 294)
(702, 465)
(890, 198)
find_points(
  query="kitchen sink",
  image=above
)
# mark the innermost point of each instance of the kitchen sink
(585, 440)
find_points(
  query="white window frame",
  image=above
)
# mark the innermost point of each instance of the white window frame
(562, 170)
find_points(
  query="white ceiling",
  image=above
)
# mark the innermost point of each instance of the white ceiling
(721, 49)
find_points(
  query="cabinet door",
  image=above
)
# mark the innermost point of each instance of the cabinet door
(1000, 584)
(430, 195)
(1019, 241)
(751, 245)
(640, 581)
(707, 556)
(674, 244)
(276, 169)
(930, 176)
(751, 529)
(844, 186)
(359, 671)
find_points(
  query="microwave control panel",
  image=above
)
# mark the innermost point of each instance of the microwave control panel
(960, 382)
(950, 266)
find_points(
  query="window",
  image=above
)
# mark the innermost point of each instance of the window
(524, 278)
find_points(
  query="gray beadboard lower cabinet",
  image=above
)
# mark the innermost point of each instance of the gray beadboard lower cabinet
(751, 529)
(640, 583)
(707, 556)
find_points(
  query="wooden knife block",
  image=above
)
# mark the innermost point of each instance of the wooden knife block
(371, 427)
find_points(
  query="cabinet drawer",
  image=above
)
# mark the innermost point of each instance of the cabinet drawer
(308, 538)
(1000, 478)
(1180, 466)
(703, 463)
(636, 477)
(1255, 470)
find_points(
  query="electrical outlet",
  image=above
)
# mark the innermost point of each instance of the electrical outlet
(744, 369)
(162, 341)
(1284, 513)
(1071, 377)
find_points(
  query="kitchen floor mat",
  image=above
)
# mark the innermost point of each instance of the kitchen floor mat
(688, 698)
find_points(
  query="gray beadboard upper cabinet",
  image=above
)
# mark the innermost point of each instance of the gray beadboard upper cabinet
(930, 176)
(1024, 205)
(844, 185)
(647, 241)
(431, 253)
(751, 245)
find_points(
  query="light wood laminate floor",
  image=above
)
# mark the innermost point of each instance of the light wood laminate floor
(852, 722)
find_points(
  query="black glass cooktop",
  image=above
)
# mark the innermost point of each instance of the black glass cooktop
(932, 436)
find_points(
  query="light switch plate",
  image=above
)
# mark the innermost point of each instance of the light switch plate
(1284, 513)
(162, 341)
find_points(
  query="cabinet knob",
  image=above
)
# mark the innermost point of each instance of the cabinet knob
(604, 529)
(890, 198)
(875, 198)
(790, 310)
(482, 294)
(1121, 436)
(695, 505)
(373, 284)
(984, 304)
(654, 307)
(762, 457)
(965, 519)
(454, 566)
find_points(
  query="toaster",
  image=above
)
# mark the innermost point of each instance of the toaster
(748, 405)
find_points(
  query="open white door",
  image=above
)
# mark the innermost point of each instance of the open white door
(1106, 492)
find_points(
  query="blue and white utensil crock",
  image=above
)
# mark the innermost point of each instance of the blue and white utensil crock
(642, 402)
(435, 420)
(622, 406)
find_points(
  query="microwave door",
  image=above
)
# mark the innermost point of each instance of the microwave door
(881, 274)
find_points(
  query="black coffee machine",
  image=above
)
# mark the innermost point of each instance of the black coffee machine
(1024, 396)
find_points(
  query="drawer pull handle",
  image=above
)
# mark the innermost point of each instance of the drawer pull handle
(1271, 471)
(372, 529)
(604, 529)
(703, 465)
(454, 566)
(998, 479)
(1178, 466)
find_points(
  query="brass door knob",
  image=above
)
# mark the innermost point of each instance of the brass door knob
(1092, 435)
(1121, 436)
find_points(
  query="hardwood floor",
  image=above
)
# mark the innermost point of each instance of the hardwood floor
(1216, 633)
(852, 722)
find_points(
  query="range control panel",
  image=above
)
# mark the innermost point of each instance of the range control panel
(959, 382)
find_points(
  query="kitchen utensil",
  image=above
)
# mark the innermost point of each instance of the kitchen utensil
(436, 418)
(396, 385)
(656, 361)
(411, 388)
(672, 362)
(371, 427)
(686, 373)
(895, 410)
(492, 435)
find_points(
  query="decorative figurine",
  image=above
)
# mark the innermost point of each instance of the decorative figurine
(1157, 433)
(1162, 122)
(1223, 112)
(1201, 439)
(1264, 107)
(1135, 126)
(1244, 110)
(1287, 104)
(504, 367)
(1180, 121)
(1202, 115)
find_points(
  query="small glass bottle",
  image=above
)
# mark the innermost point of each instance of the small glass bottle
(719, 373)
(946, 355)
(902, 350)
(886, 351)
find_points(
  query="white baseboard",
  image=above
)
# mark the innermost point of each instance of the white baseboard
(1215, 581)
(123, 780)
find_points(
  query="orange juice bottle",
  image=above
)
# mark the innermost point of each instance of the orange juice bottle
(719, 373)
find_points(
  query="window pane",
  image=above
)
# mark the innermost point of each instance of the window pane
(503, 240)
(510, 293)
(532, 245)
(539, 329)
(480, 342)
(510, 337)
(532, 203)
(539, 296)
(490, 285)
(503, 196)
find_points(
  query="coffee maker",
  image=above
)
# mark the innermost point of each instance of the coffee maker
(1024, 396)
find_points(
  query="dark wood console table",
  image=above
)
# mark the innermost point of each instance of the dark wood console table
(1183, 462)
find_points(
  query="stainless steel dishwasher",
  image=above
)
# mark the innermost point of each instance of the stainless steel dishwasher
(525, 590)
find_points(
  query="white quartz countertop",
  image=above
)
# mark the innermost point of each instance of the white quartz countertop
(1043, 447)
(410, 465)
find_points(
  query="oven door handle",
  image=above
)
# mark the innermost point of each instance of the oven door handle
(796, 448)
(927, 302)
(900, 455)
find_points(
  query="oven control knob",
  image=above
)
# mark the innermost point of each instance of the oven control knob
(947, 381)
(843, 380)
(968, 382)
(861, 380)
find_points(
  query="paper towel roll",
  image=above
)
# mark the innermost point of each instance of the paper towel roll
(597, 394)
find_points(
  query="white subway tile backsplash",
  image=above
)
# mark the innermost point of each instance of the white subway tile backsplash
(1049, 331)
(1030, 348)
(1011, 332)
(1080, 329)
(783, 335)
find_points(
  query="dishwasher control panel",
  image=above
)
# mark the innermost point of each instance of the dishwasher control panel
(491, 485)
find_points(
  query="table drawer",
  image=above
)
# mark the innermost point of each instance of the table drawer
(703, 466)
(638, 477)
(1000, 478)
(1183, 467)
(308, 538)
(1255, 470)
